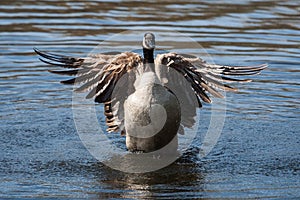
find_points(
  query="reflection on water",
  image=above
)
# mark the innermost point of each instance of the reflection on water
(163, 183)
(258, 152)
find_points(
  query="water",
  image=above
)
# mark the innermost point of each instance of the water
(257, 154)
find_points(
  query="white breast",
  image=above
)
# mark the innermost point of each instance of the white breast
(152, 115)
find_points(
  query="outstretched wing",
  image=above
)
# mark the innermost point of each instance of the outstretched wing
(203, 78)
(98, 74)
(207, 78)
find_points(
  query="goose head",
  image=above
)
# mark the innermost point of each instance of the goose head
(149, 41)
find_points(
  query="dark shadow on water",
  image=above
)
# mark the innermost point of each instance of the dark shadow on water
(179, 179)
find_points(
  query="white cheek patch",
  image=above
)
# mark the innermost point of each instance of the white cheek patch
(149, 42)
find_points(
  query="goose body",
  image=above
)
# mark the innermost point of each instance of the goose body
(152, 116)
(149, 111)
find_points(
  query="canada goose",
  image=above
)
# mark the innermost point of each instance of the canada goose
(133, 113)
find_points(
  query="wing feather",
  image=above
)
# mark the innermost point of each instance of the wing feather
(205, 77)
(63, 61)
(98, 75)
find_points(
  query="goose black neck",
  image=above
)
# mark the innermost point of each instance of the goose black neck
(148, 55)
